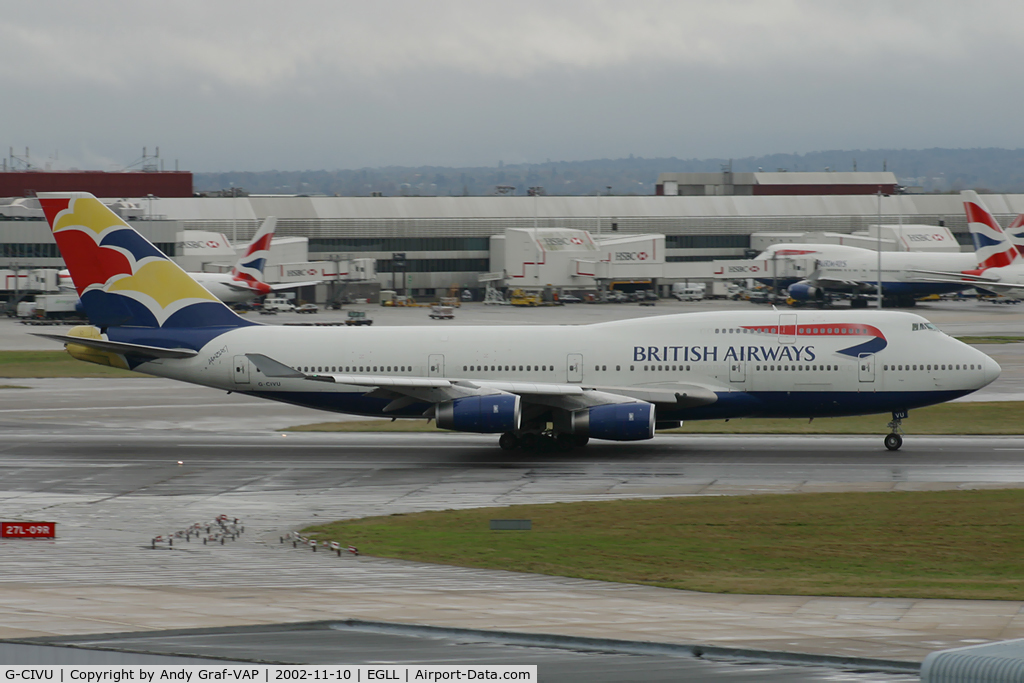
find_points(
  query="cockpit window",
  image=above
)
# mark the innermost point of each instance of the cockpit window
(925, 326)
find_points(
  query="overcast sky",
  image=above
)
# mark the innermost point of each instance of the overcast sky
(229, 85)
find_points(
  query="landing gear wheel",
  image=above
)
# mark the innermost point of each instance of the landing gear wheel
(581, 441)
(529, 441)
(565, 442)
(508, 441)
(894, 440)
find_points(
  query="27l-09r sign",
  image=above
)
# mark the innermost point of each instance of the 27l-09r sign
(28, 530)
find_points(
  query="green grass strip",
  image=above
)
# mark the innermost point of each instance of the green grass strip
(991, 340)
(54, 364)
(939, 544)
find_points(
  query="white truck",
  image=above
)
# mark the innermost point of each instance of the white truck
(688, 292)
(275, 304)
(51, 307)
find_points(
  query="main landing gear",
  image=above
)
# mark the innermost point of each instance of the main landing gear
(894, 439)
(543, 441)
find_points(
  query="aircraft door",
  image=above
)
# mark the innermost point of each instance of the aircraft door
(787, 328)
(574, 368)
(435, 365)
(866, 367)
(241, 370)
(737, 371)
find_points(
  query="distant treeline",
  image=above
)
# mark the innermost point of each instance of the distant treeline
(933, 170)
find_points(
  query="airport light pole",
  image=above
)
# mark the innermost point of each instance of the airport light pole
(878, 234)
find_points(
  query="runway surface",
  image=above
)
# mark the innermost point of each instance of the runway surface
(100, 457)
(103, 463)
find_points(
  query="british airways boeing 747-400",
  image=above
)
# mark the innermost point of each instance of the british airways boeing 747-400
(559, 384)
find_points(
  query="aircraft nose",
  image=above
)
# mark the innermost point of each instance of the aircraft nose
(990, 369)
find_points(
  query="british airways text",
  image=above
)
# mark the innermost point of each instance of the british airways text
(698, 354)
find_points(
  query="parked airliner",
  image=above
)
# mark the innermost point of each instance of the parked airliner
(999, 266)
(558, 384)
(853, 270)
(245, 280)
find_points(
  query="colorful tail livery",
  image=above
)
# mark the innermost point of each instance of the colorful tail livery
(992, 246)
(122, 279)
(1016, 232)
(249, 269)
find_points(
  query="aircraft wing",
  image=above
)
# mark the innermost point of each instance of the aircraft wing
(953, 276)
(993, 285)
(239, 286)
(407, 390)
(242, 286)
(281, 286)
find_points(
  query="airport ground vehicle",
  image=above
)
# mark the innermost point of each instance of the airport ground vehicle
(358, 318)
(308, 308)
(438, 312)
(685, 292)
(277, 304)
(533, 384)
(51, 307)
(521, 297)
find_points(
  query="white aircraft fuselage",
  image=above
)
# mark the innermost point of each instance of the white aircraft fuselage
(851, 269)
(734, 364)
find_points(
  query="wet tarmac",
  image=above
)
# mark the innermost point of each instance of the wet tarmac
(101, 458)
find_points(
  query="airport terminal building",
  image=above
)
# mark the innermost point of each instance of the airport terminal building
(446, 241)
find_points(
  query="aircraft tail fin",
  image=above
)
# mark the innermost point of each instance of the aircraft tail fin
(992, 247)
(121, 278)
(249, 267)
(1016, 232)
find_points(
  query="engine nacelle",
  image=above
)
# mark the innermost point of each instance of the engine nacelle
(490, 414)
(616, 422)
(805, 291)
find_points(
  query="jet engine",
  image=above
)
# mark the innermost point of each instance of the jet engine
(483, 414)
(616, 422)
(805, 291)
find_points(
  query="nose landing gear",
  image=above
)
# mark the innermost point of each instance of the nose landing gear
(894, 439)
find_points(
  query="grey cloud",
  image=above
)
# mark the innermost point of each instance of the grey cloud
(259, 85)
